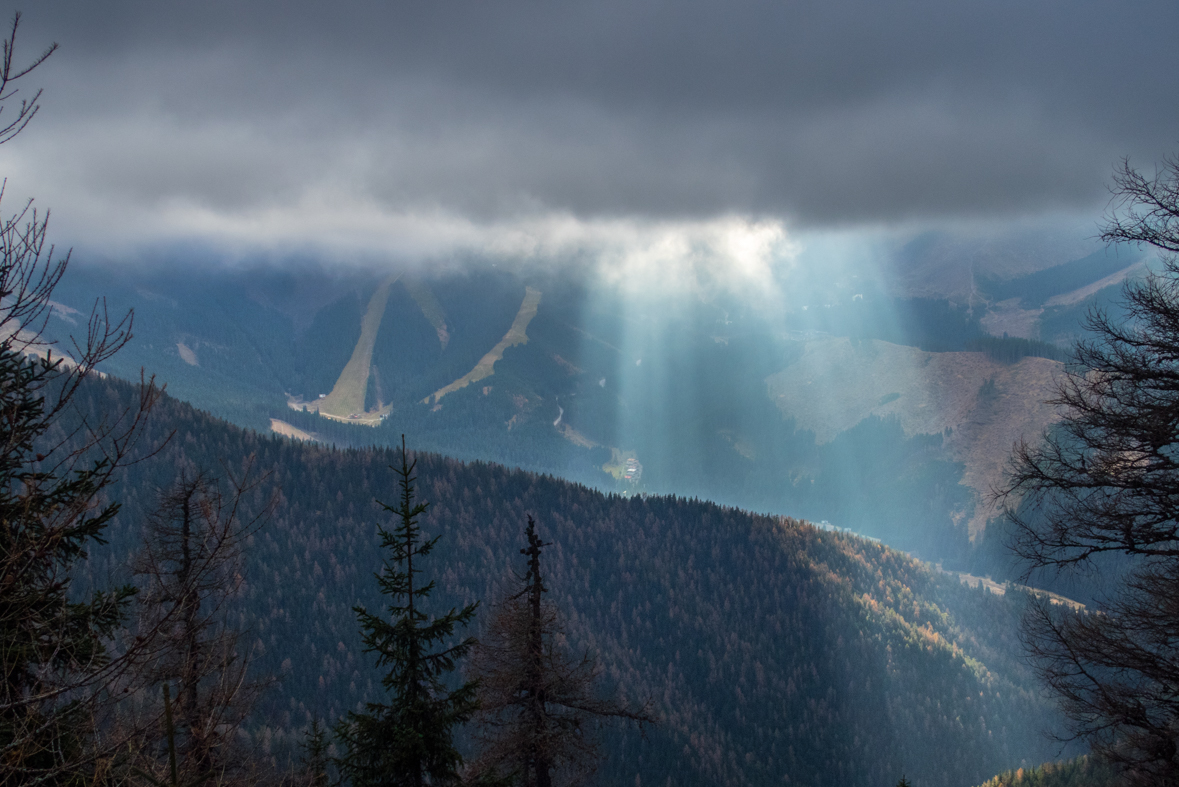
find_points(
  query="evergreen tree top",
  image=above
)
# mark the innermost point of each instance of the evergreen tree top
(409, 740)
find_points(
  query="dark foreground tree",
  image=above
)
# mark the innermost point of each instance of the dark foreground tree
(410, 739)
(1102, 491)
(315, 756)
(538, 703)
(55, 659)
(191, 569)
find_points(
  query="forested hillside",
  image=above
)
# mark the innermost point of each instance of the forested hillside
(772, 651)
(1081, 772)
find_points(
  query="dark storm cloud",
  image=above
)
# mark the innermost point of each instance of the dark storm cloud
(816, 113)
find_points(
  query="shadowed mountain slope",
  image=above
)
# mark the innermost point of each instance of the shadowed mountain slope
(772, 651)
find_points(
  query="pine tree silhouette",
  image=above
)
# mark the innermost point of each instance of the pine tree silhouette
(409, 740)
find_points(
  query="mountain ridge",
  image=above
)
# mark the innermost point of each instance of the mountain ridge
(770, 647)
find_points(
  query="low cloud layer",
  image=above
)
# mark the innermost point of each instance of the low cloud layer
(414, 128)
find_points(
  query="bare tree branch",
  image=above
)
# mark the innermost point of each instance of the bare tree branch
(191, 570)
(1104, 486)
(539, 704)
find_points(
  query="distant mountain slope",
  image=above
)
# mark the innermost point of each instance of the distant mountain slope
(1050, 304)
(772, 650)
(981, 406)
(954, 265)
(893, 437)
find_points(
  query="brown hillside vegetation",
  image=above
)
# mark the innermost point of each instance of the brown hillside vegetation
(986, 405)
(1081, 772)
(1010, 318)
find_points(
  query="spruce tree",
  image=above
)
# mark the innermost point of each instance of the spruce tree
(410, 739)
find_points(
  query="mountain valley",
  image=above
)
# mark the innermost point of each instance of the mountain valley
(892, 417)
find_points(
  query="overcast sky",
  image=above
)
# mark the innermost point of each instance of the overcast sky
(418, 128)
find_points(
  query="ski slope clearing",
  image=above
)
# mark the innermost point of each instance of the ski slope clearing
(346, 401)
(517, 334)
(289, 430)
(1080, 294)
